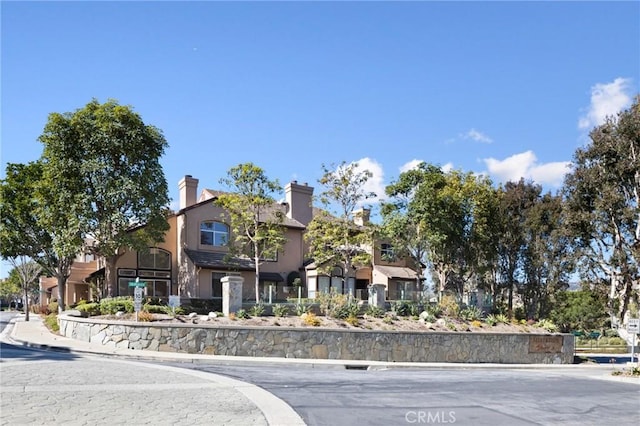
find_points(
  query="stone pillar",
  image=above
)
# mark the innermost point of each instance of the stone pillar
(231, 294)
(376, 295)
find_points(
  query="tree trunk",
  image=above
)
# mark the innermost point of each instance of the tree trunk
(25, 305)
(110, 275)
(62, 292)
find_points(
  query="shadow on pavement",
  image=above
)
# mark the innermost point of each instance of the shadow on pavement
(17, 352)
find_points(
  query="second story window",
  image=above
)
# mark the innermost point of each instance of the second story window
(214, 234)
(386, 253)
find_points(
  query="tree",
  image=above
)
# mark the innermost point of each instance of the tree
(103, 161)
(335, 239)
(256, 224)
(603, 206)
(26, 273)
(547, 256)
(516, 199)
(581, 310)
(38, 221)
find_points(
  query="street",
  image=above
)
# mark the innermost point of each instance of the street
(332, 396)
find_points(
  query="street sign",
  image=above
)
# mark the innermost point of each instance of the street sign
(633, 326)
(137, 298)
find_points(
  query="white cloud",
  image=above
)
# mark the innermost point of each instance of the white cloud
(410, 165)
(477, 136)
(375, 183)
(607, 99)
(447, 167)
(525, 165)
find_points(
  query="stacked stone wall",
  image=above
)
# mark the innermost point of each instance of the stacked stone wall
(316, 343)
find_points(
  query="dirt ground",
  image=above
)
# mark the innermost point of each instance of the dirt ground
(390, 323)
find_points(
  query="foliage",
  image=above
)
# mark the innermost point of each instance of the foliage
(53, 307)
(145, 316)
(449, 306)
(51, 322)
(435, 310)
(352, 320)
(257, 310)
(476, 323)
(502, 319)
(256, 226)
(602, 195)
(24, 275)
(111, 305)
(90, 309)
(336, 240)
(547, 325)
(470, 313)
(311, 319)
(337, 305)
(375, 311)
(103, 164)
(491, 319)
(427, 316)
(280, 310)
(242, 314)
(39, 221)
(579, 310)
(405, 308)
(302, 308)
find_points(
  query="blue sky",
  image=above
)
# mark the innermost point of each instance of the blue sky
(510, 89)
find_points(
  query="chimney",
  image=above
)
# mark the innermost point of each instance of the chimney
(299, 198)
(188, 187)
(361, 216)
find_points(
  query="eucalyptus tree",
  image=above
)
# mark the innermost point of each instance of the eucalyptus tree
(256, 222)
(334, 237)
(602, 195)
(547, 256)
(40, 222)
(104, 163)
(516, 199)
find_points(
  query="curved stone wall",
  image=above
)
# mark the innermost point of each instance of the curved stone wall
(317, 343)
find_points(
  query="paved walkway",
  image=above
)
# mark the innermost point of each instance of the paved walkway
(130, 396)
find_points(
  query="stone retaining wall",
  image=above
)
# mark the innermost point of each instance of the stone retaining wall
(317, 343)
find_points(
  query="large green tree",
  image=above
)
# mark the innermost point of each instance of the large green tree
(334, 237)
(603, 206)
(256, 222)
(103, 161)
(39, 221)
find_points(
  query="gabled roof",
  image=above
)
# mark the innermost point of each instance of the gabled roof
(397, 272)
(214, 260)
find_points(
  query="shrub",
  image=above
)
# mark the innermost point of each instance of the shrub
(471, 313)
(257, 310)
(401, 308)
(434, 310)
(519, 313)
(547, 325)
(53, 307)
(352, 320)
(110, 306)
(280, 310)
(427, 316)
(388, 319)
(502, 319)
(90, 309)
(302, 308)
(51, 321)
(449, 306)
(145, 316)
(491, 320)
(375, 311)
(241, 313)
(476, 323)
(310, 318)
(342, 311)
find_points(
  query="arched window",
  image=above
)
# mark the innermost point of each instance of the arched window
(214, 234)
(154, 258)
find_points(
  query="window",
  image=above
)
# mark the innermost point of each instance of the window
(154, 258)
(387, 253)
(214, 234)
(216, 284)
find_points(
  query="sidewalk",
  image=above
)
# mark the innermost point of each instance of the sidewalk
(34, 334)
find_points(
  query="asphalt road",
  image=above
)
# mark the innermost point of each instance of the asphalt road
(333, 396)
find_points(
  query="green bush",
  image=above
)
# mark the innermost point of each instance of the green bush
(51, 321)
(257, 310)
(110, 306)
(547, 325)
(53, 307)
(90, 309)
(302, 308)
(375, 311)
(471, 313)
(404, 308)
(280, 310)
(242, 314)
